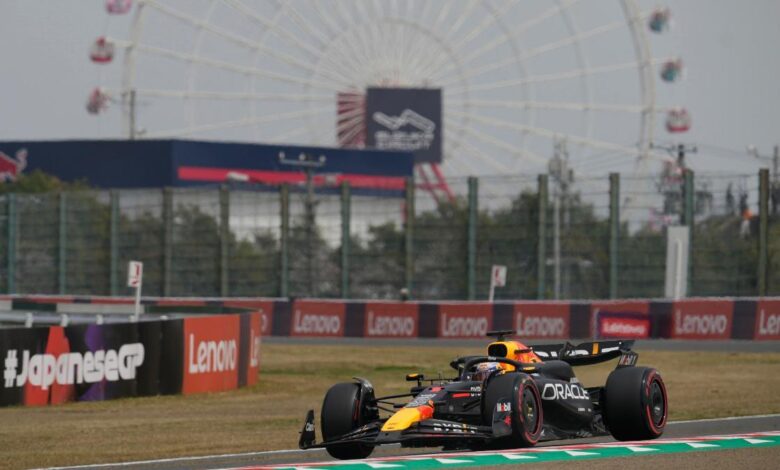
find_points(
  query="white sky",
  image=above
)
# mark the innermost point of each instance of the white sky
(729, 48)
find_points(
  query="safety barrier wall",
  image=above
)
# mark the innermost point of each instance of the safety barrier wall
(695, 318)
(51, 365)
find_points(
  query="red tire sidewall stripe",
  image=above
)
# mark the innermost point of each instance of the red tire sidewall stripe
(654, 377)
(532, 438)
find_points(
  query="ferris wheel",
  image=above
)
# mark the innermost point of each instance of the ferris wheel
(516, 78)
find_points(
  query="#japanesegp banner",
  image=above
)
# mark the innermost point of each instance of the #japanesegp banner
(317, 318)
(702, 319)
(472, 320)
(541, 320)
(767, 320)
(88, 362)
(407, 119)
(629, 319)
(391, 320)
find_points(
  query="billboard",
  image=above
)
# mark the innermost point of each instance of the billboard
(405, 119)
(464, 320)
(391, 320)
(702, 319)
(318, 318)
(160, 163)
(623, 319)
(767, 320)
(541, 320)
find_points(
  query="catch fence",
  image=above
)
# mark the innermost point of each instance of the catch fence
(592, 238)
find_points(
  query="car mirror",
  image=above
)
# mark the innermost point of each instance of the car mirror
(416, 377)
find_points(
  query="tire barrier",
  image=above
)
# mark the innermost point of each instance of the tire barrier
(89, 362)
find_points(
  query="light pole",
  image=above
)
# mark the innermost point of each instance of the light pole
(310, 164)
(563, 177)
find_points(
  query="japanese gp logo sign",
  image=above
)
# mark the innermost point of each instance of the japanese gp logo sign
(406, 119)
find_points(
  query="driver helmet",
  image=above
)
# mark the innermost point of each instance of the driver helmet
(485, 369)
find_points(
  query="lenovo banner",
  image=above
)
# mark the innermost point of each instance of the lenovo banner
(211, 353)
(702, 319)
(541, 320)
(467, 320)
(317, 318)
(407, 119)
(767, 319)
(391, 320)
(630, 319)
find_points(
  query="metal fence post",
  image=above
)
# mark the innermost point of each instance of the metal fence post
(284, 240)
(614, 232)
(167, 215)
(409, 237)
(62, 240)
(763, 231)
(471, 250)
(688, 220)
(12, 226)
(114, 243)
(541, 249)
(345, 226)
(224, 241)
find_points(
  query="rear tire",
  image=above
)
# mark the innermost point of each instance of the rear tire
(527, 414)
(343, 412)
(636, 405)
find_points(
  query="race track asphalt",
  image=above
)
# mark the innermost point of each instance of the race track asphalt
(708, 427)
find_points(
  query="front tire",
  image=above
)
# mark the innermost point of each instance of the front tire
(342, 412)
(527, 413)
(636, 405)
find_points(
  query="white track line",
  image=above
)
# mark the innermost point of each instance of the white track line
(728, 418)
(292, 451)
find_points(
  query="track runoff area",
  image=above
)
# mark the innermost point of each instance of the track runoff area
(740, 434)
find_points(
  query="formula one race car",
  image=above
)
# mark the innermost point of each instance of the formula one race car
(515, 396)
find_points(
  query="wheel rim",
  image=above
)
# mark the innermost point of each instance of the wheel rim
(529, 411)
(657, 404)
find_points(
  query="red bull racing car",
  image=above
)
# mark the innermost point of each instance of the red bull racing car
(515, 396)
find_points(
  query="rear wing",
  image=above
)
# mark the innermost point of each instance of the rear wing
(584, 354)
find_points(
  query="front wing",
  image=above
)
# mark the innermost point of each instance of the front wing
(427, 433)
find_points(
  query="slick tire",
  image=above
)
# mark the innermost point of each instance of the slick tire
(341, 413)
(527, 414)
(636, 405)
